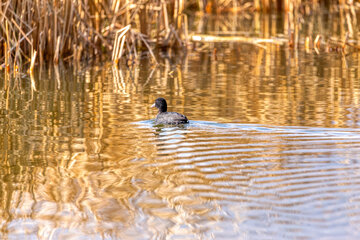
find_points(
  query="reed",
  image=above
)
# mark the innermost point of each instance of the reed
(75, 30)
(217, 6)
(79, 30)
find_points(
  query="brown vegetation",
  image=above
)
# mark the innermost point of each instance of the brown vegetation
(66, 29)
(48, 31)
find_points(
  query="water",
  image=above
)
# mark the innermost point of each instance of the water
(271, 151)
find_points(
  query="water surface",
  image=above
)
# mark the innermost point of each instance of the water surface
(271, 151)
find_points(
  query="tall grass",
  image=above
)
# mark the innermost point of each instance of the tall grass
(39, 31)
(84, 29)
(216, 6)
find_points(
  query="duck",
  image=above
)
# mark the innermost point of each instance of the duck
(165, 117)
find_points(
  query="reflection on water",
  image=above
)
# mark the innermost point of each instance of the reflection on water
(271, 151)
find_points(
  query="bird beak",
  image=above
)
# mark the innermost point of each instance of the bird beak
(153, 105)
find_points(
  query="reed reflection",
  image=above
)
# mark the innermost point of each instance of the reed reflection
(273, 132)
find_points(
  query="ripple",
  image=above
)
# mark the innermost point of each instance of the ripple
(290, 180)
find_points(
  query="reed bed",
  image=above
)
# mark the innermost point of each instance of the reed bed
(218, 6)
(49, 31)
(42, 31)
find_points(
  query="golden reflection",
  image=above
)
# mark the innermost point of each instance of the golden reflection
(80, 157)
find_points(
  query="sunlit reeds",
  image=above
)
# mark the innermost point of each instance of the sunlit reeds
(80, 30)
(68, 30)
(119, 43)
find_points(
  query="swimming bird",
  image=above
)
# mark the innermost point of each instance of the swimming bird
(164, 117)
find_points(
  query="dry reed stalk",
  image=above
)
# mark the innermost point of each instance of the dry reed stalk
(7, 44)
(349, 24)
(286, 5)
(149, 48)
(257, 6)
(178, 10)
(118, 47)
(6, 64)
(6, 58)
(20, 40)
(176, 35)
(165, 14)
(289, 29)
(317, 41)
(7, 89)
(33, 57)
(21, 31)
(15, 65)
(353, 12)
(54, 33)
(57, 49)
(345, 41)
(69, 13)
(186, 31)
(307, 44)
(266, 5)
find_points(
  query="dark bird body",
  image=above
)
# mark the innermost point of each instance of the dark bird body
(165, 117)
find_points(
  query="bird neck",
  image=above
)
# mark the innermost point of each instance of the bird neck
(163, 109)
